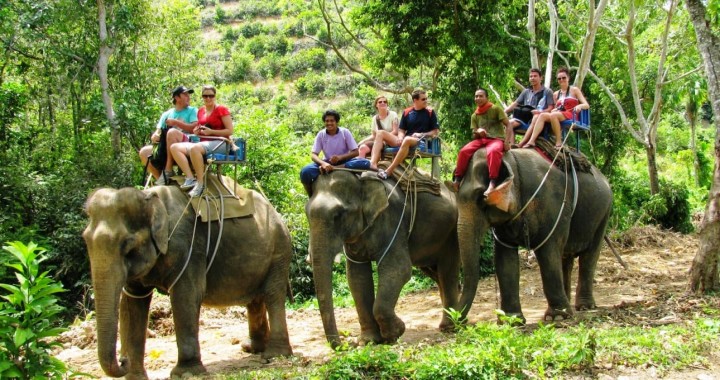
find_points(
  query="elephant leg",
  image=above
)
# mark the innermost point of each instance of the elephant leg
(507, 271)
(360, 281)
(259, 328)
(133, 327)
(447, 279)
(276, 287)
(185, 300)
(587, 263)
(549, 261)
(567, 266)
(393, 273)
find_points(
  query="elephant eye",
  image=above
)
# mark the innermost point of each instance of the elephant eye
(128, 245)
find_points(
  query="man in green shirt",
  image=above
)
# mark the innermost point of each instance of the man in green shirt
(488, 124)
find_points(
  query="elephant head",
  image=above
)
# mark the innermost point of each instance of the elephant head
(341, 208)
(476, 214)
(126, 233)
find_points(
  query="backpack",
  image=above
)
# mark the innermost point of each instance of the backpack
(407, 111)
(159, 156)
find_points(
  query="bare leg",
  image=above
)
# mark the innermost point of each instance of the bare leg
(538, 128)
(179, 153)
(381, 138)
(173, 136)
(197, 153)
(555, 119)
(407, 143)
(144, 153)
(365, 149)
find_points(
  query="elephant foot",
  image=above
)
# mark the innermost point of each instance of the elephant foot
(552, 315)
(137, 375)
(253, 346)
(369, 336)
(392, 331)
(181, 371)
(277, 351)
(513, 319)
(448, 325)
(585, 305)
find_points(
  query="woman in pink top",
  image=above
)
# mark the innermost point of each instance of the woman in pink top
(568, 100)
(214, 125)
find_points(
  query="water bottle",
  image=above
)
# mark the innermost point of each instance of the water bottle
(541, 104)
(240, 152)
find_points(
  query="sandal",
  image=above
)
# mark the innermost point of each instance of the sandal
(558, 147)
(382, 174)
(515, 146)
(529, 146)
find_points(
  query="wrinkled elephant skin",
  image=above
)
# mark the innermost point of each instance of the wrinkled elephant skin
(140, 241)
(361, 215)
(569, 232)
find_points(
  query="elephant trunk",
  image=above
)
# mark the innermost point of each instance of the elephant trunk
(323, 248)
(471, 232)
(107, 296)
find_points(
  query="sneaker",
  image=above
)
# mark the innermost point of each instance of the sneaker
(164, 179)
(197, 190)
(188, 184)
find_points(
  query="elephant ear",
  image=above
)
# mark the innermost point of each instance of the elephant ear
(158, 221)
(374, 198)
(503, 197)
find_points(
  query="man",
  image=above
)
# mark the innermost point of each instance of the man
(339, 150)
(178, 122)
(536, 96)
(488, 123)
(417, 122)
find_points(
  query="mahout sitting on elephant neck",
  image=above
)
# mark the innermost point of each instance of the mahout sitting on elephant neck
(128, 242)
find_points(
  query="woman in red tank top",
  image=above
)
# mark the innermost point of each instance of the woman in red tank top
(214, 126)
(569, 100)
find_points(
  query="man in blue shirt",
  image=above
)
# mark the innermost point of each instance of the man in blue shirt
(417, 122)
(179, 122)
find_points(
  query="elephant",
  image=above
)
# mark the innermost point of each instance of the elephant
(372, 222)
(557, 234)
(140, 240)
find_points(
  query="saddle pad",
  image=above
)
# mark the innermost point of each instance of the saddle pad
(208, 205)
(415, 178)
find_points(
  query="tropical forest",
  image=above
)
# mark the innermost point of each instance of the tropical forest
(83, 86)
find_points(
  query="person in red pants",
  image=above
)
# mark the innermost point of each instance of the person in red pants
(488, 124)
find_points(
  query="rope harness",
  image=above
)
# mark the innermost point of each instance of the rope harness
(562, 206)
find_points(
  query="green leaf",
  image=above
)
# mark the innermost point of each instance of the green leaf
(21, 336)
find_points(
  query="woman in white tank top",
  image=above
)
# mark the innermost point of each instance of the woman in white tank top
(384, 119)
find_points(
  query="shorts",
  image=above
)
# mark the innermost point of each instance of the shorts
(214, 146)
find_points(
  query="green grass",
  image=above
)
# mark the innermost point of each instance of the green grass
(490, 351)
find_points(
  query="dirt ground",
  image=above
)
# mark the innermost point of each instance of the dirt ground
(649, 293)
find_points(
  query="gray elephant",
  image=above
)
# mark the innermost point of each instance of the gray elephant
(140, 240)
(373, 224)
(551, 222)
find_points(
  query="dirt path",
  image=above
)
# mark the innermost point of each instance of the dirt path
(649, 292)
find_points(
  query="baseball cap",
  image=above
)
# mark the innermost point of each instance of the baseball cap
(181, 90)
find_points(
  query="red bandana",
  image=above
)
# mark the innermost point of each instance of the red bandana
(481, 110)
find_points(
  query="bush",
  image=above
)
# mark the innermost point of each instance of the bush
(240, 67)
(303, 61)
(27, 318)
(633, 204)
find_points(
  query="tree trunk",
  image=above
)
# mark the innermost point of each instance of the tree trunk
(103, 61)
(651, 153)
(704, 270)
(691, 116)
(534, 61)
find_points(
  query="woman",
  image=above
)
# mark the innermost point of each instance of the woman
(214, 125)
(384, 120)
(568, 100)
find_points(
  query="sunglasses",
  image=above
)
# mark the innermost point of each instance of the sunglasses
(382, 101)
(209, 96)
(561, 78)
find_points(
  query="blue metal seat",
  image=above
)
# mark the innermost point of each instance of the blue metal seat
(233, 153)
(579, 123)
(427, 147)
